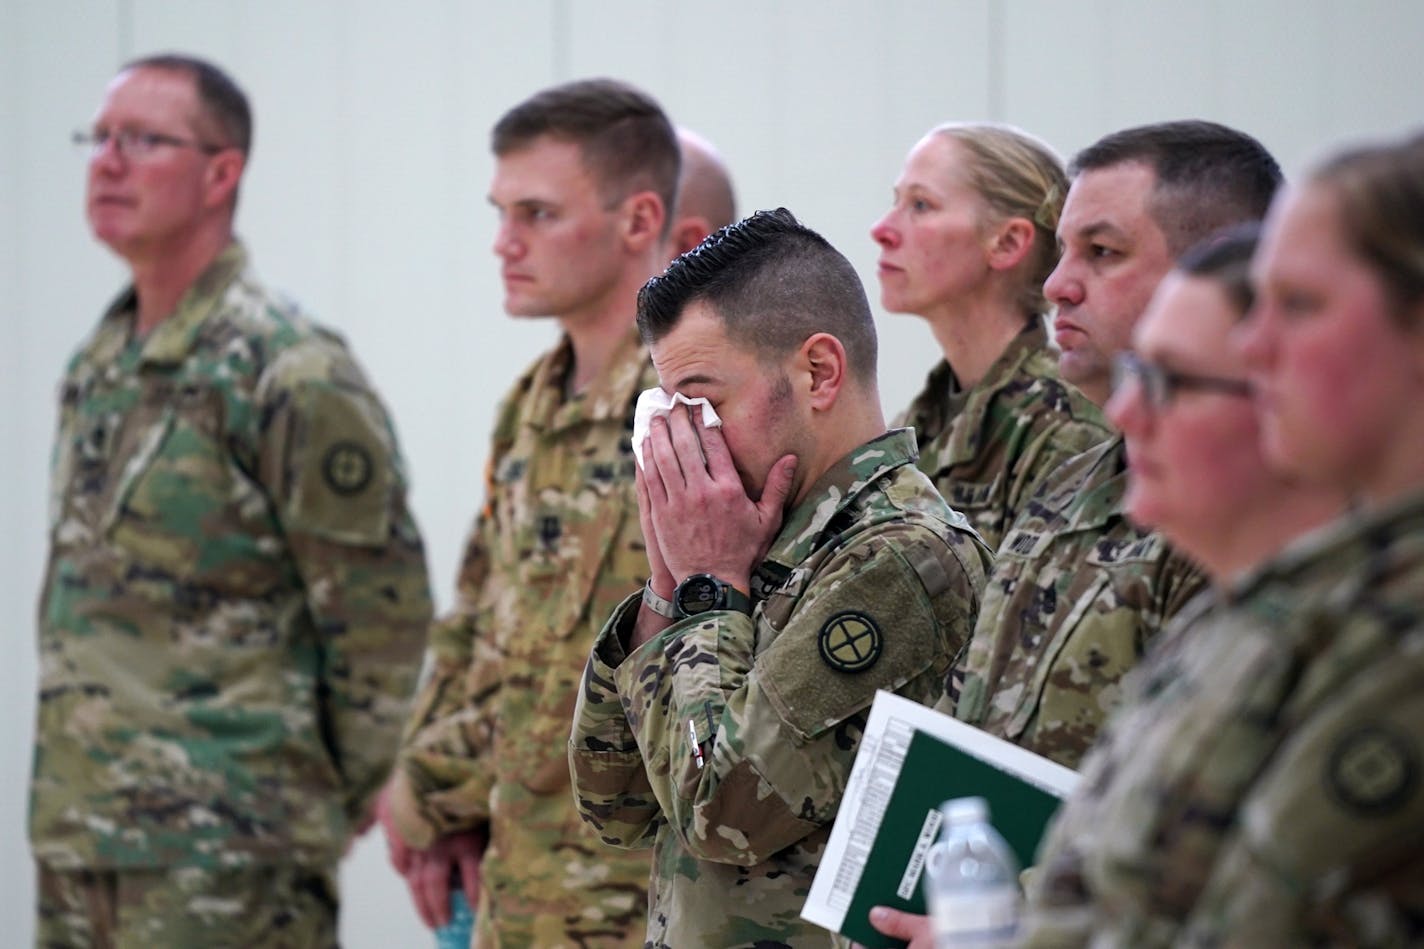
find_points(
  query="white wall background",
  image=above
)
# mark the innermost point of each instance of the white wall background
(365, 198)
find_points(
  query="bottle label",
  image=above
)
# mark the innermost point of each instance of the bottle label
(979, 917)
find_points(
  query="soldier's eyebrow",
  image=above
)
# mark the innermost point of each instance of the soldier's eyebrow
(1099, 229)
(695, 378)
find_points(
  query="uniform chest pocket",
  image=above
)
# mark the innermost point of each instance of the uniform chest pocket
(1077, 678)
(571, 545)
(176, 500)
(578, 562)
(569, 556)
(87, 461)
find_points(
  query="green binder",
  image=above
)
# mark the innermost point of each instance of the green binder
(935, 772)
(913, 759)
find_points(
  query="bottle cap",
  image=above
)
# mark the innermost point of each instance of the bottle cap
(965, 810)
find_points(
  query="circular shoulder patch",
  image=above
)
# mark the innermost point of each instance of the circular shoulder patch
(347, 468)
(1373, 770)
(850, 642)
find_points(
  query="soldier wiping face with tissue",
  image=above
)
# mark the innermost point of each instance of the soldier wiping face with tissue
(798, 562)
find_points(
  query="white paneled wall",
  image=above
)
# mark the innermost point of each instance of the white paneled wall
(365, 198)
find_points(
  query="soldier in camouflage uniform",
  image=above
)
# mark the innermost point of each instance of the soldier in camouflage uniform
(235, 601)
(1078, 590)
(585, 175)
(805, 566)
(966, 245)
(1261, 785)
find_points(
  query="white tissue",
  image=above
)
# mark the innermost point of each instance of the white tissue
(655, 403)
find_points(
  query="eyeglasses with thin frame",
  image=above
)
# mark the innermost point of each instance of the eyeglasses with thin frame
(1161, 385)
(137, 144)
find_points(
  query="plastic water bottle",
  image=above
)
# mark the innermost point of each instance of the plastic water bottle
(971, 880)
(457, 933)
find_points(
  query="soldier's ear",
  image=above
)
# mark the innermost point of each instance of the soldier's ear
(1010, 243)
(643, 217)
(822, 359)
(223, 176)
(687, 233)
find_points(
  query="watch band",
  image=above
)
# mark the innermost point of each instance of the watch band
(737, 600)
(659, 605)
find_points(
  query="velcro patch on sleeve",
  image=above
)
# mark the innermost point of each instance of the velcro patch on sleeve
(865, 624)
(342, 470)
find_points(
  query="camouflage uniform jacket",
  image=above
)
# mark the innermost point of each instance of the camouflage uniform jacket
(236, 600)
(1076, 593)
(556, 547)
(986, 448)
(1260, 785)
(726, 741)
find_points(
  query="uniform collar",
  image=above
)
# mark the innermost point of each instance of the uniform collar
(1032, 339)
(608, 396)
(834, 492)
(1096, 496)
(927, 412)
(172, 340)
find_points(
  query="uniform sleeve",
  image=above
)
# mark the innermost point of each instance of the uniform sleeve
(611, 788)
(328, 456)
(745, 751)
(443, 779)
(444, 776)
(1329, 843)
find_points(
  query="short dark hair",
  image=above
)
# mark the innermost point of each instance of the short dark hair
(1209, 176)
(773, 282)
(222, 100)
(625, 138)
(1225, 258)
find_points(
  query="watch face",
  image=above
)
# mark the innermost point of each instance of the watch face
(698, 594)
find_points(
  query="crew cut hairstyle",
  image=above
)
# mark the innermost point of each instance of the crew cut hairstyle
(774, 283)
(1209, 176)
(624, 137)
(223, 101)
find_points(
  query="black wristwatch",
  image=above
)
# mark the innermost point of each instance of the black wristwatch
(702, 592)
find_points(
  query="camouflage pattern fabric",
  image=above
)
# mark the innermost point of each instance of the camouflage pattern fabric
(726, 741)
(988, 447)
(259, 907)
(236, 599)
(1076, 594)
(1261, 784)
(556, 547)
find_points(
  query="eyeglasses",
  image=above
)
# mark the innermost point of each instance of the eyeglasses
(137, 145)
(1161, 385)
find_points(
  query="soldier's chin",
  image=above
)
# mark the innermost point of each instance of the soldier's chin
(530, 309)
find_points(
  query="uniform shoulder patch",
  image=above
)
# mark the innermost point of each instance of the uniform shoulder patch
(850, 641)
(1373, 770)
(347, 467)
(342, 465)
